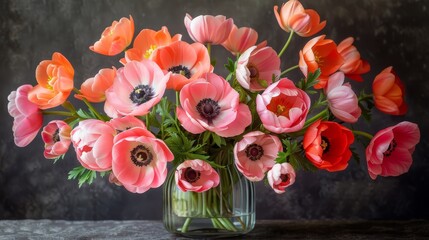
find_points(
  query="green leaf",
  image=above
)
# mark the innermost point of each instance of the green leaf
(69, 106)
(83, 175)
(85, 115)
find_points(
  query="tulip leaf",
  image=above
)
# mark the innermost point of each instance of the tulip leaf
(84, 175)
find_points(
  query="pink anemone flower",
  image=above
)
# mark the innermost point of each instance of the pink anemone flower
(255, 154)
(212, 104)
(256, 68)
(137, 87)
(27, 117)
(281, 176)
(241, 39)
(390, 151)
(196, 176)
(140, 160)
(56, 136)
(208, 29)
(121, 124)
(283, 107)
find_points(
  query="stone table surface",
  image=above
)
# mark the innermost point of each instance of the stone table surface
(264, 229)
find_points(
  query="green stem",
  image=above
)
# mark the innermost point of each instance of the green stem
(186, 224)
(177, 104)
(289, 69)
(89, 105)
(286, 44)
(59, 113)
(315, 117)
(363, 134)
(209, 49)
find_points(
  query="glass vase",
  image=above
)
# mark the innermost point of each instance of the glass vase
(224, 211)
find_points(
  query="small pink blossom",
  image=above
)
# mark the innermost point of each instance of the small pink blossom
(140, 159)
(342, 100)
(94, 89)
(56, 136)
(390, 151)
(196, 176)
(137, 87)
(93, 140)
(121, 124)
(281, 176)
(27, 117)
(240, 39)
(212, 104)
(256, 68)
(208, 29)
(283, 107)
(255, 154)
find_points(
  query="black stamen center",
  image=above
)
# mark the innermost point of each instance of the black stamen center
(254, 152)
(141, 156)
(182, 70)
(254, 73)
(391, 148)
(325, 144)
(284, 177)
(208, 109)
(56, 136)
(141, 94)
(191, 175)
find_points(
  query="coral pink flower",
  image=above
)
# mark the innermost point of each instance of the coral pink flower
(147, 41)
(256, 153)
(389, 93)
(56, 136)
(281, 176)
(327, 145)
(27, 117)
(93, 140)
(293, 17)
(353, 65)
(390, 151)
(320, 53)
(140, 160)
(55, 82)
(186, 62)
(213, 105)
(283, 107)
(196, 176)
(208, 29)
(131, 188)
(256, 68)
(342, 100)
(240, 39)
(115, 38)
(94, 89)
(121, 124)
(137, 87)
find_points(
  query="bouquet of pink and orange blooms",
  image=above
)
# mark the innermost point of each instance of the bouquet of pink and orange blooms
(271, 125)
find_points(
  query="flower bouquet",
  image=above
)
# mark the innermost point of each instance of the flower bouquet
(219, 133)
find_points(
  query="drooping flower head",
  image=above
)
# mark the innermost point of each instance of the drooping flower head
(342, 100)
(115, 38)
(94, 89)
(140, 159)
(327, 145)
(56, 136)
(293, 17)
(256, 68)
(196, 176)
(281, 176)
(27, 117)
(55, 82)
(212, 104)
(255, 154)
(353, 65)
(93, 140)
(389, 93)
(146, 42)
(320, 53)
(283, 107)
(186, 62)
(137, 87)
(390, 151)
(241, 39)
(208, 29)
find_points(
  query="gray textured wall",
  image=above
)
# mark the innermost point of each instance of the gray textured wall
(388, 32)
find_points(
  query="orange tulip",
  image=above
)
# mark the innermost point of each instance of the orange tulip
(320, 53)
(115, 38)
(293, 17)
(389, 93)
(55, 82)
(353, 65)
(93, 89)
(147, 41)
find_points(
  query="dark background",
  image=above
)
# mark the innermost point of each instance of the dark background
(387, 32)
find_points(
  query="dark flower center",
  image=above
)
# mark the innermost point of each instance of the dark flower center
(141, 94)
(56, 136)
(284, 177)
(141, 156)
(191, 175)
(254, 73)
(325, 144)
(391, 148)
(182, 70)
(254, 152)
(208, 109)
